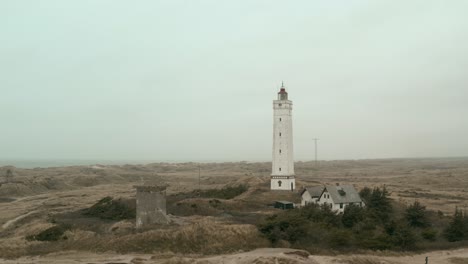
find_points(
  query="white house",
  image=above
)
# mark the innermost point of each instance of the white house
(340, 196)
(311, 194)
(337, 197)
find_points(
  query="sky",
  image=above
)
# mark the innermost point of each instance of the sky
(194, 80)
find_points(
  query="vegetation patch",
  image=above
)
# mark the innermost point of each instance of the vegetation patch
(54, 233)
(381, 225)
(363, 260)
(6, 200)
(112, 209)
(223, 193)
(457, 260)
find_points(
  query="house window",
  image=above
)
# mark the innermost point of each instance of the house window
(341, 206)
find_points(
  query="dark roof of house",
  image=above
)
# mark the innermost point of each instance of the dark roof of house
(284, 202)
(314, 191)
(343, 194)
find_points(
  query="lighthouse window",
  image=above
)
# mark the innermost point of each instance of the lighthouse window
(279, 183)
(280, 119)
(280, 151)
(280, 134)
(279, 169)
(280, 104)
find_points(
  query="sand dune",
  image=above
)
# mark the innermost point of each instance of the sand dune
(39, 195)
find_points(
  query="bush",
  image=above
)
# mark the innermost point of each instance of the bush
(108, 208)
(429, 234)
(224, 193)
(51, 234)
(340, 238)
(299, 224)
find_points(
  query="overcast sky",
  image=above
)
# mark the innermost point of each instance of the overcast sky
(195, 80)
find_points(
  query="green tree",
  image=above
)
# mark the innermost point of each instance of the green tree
(352, 214)
(404, 237)
(365, 194)
(415, 215)
(379, 204)
(458, 227)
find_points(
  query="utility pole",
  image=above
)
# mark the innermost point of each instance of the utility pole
(9, 176)
(316, 162)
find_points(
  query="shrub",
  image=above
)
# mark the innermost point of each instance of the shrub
(51, 234)
(339, 238)
(108, 208)
(429, 234)
(224, 193)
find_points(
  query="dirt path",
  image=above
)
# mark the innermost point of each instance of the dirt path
(263, 255)
(435, 257)
(14, 220)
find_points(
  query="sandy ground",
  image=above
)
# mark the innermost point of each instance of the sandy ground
(439, 184)
(265, 255)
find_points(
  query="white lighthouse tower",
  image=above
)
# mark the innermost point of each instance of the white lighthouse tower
(282, 173)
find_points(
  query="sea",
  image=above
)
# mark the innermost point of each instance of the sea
(47, 163)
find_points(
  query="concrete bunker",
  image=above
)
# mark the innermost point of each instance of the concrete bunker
(150, 206)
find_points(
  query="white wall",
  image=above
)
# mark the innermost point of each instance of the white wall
(283, 160)
(327, 199)
(285, 183)
(307, 199)
(335, 207)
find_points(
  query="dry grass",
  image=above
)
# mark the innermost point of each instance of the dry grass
(367, 260)
(204, 237)
(439, 184)
(459, 260)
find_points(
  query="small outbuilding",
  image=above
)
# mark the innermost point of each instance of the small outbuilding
(284, 205)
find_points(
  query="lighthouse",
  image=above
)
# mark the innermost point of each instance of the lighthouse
(282, 172)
